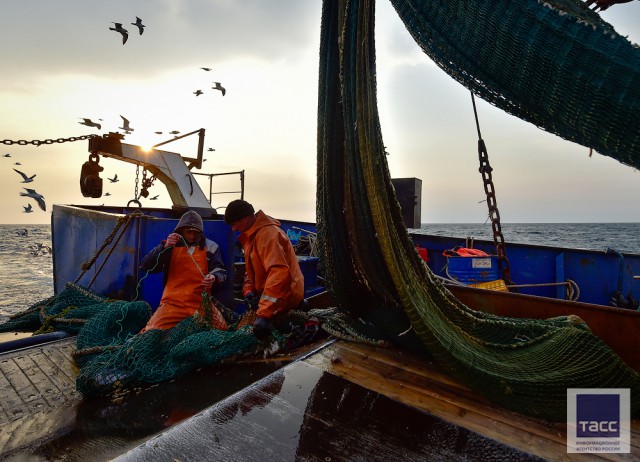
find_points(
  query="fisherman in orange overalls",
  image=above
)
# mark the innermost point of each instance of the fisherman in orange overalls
(191, 264)
(273, 276)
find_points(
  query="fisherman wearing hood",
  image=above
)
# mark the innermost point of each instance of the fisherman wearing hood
(273, 278)
(191, 264)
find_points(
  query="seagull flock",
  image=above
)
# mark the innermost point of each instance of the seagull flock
(31, 193)
(126, 127)
(124, 32)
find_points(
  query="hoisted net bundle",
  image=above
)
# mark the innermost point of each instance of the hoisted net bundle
(554, 63)
(371, 265)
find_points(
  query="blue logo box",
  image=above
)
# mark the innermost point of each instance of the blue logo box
(598, 415)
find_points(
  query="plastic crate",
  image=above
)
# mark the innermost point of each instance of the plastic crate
(309, 267)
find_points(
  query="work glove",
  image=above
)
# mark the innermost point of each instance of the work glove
(261, 328)
(251, 300)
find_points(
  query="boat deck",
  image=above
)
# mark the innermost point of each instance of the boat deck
(352, 401)
(403, 377)
(38, 393)
(340, 400)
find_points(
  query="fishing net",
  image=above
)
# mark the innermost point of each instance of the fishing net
(369, 260)
(110, 352)
(554, 63)
(67, 311)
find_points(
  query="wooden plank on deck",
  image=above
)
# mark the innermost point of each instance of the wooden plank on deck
(422, 384)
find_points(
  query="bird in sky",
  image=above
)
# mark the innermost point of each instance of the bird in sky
(108, 194)
(123, 31)
(210, 149)
(219, 87)
(153, 198)
(206, 68)
(25, 178)
(158, 133)
(197, 92)
(7, 155)
(114, 179)
(174, 132)
(90, 123)
(27, 209)
(139, 25)
(34, 195)
(125, 125)
(17, 163)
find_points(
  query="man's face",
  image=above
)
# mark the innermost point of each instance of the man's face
(243, 224)
(192, 235)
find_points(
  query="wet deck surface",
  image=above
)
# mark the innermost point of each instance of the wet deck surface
(44, 418)
(38, 393)
(344, 402)
(355, 402)
(302, 413)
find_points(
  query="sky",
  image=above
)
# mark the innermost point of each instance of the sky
(61, 63)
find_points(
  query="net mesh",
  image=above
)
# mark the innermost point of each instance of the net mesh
(554, 63)
(110, 352)
(369, 260)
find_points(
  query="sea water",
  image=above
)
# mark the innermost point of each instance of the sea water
(26, 267)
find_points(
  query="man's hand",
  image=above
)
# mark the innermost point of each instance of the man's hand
(261, 328)
(209, 280)
(172, 239)
(251, 300)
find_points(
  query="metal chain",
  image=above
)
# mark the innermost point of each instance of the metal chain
(135, 191)
(489, 189)
(47, 141)
(144, 181)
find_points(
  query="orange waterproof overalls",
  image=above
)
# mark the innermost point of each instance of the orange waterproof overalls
(182, 295)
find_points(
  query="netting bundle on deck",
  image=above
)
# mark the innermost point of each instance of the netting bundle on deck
(67, 311)
(110, 352)
(371, 265)
(155, 355)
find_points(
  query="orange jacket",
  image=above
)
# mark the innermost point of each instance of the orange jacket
(272, 268)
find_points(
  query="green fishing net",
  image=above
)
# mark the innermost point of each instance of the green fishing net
(554, 63)
(368, 258)
(110, 352)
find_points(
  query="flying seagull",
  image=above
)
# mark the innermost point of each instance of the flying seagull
(34, 195)
(90, 123)
(219, 87)
(210, 149)
(206, 68)
(197, 92)
(174, 132)
(25, 178)
(125, 125)
(123, 31)
(158, 133)
(153, 198)
(108, 194)
(114, 179)
(27, 209)
(17, 163)
(139, 25)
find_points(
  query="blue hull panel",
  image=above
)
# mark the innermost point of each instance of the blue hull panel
(78, 231)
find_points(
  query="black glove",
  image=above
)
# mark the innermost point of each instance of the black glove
(251, 300)
(261, 328)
